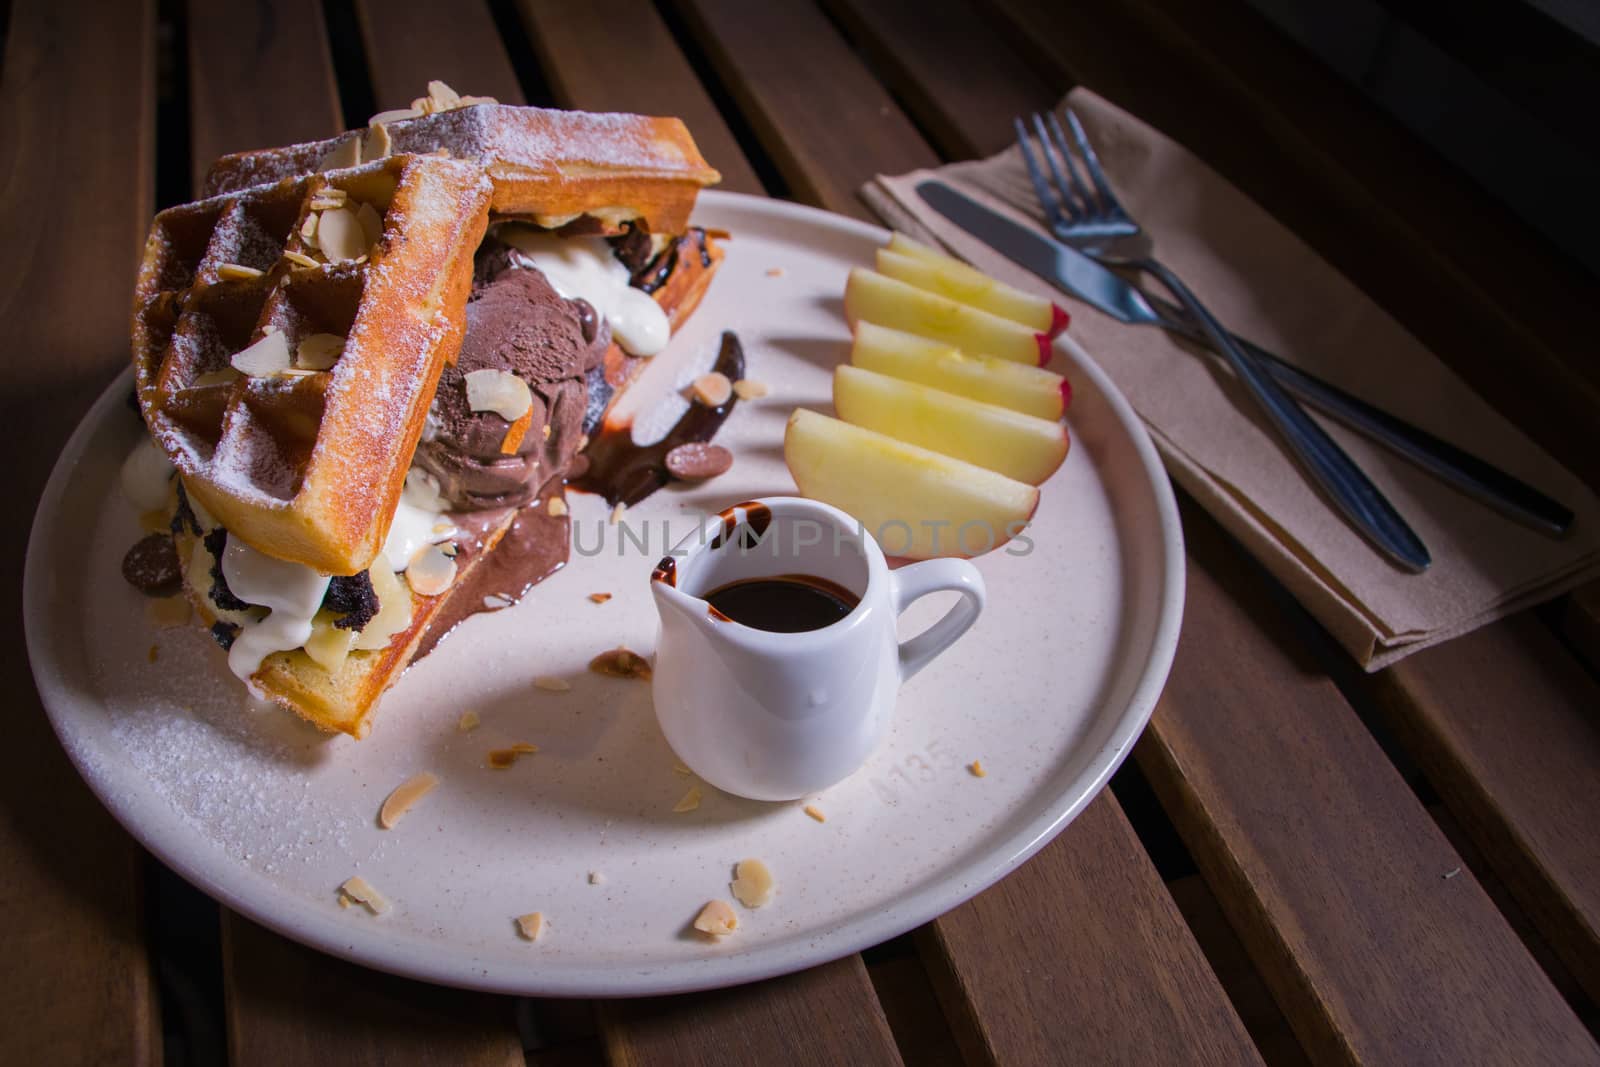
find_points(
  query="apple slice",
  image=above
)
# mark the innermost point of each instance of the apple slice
(918, 504)
(890, 302)
(995, 438)
(1030, 390)
(953, 278)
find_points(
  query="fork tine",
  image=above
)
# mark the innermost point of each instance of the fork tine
(1060, 142)
(1096, 173)
(1077, 209)
(1041, 188)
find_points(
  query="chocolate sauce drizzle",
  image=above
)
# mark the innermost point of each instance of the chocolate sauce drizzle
(625, 473)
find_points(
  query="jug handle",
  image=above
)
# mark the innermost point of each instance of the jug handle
(911, 583)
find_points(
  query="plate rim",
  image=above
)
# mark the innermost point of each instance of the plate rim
(986, 865)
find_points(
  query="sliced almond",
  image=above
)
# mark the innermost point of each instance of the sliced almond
(266, 357)
(689, 801)
(468, 722)
(371, 223)
(557, 506)
(498, 391)
(233, 272)
(444, 98)
(717, 918)
(375, 143)
(347, 153)
(752, 883)
(319, 351)
(399, 114)
(747, 389)
(359, 890)
(515, 433)
(340, 235)
(712, 389)
(531, 925)
(431, 571)
(621, 663)
(815, 812)
(404, 796)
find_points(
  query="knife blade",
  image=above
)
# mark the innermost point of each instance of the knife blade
(1075, 273)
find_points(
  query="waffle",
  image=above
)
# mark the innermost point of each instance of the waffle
(306, 465)
(547, 165)
(344, 701)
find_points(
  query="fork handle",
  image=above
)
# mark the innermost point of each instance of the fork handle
(1350, 490)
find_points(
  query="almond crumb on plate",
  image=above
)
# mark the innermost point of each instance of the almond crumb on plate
(359, 890)
(405, 794)
(469, 721)
(599, 598)
(621, 663)
(690, 801)
(752, 883)
(551, 684)
(717, 918)
(815, 812)
(531, 925)
(976, 767)
(746, 389)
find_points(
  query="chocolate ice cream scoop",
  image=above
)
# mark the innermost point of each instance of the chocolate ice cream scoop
(517, 323)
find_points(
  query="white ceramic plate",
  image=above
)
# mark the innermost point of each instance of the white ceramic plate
(1049, 689)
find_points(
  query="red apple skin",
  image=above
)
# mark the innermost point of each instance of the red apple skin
(1059, 321)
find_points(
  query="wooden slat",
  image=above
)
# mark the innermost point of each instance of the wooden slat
(1503, 723)
(642, 71)
(950, 68)
(1081, 957)
(410, 42)
(289, 1004)
(76, 141)
(1462, 273)
(1581, 623)
(827, 1015)
(1377, 944)
(825, 121)
(234, 52)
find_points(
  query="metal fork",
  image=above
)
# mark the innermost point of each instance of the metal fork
(1095, 223)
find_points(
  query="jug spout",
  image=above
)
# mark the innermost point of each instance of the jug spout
(675, 606)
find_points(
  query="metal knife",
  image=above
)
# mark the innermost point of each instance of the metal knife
(1075, 273)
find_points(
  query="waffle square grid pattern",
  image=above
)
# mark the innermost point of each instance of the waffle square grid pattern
(364, 274)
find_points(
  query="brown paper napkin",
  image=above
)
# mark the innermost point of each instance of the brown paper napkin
(1267, 285)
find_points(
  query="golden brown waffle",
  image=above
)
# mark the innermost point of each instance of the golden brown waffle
(547, 165)
(306, 464)
(344, 700)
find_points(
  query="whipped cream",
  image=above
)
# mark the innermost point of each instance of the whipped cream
(146, 476)
(291, 593)
(583, 268)
(419, 520)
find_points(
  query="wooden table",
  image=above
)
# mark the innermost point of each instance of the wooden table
(1303, 863)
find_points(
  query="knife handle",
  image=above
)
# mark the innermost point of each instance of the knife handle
(1477, 478)
(1351, 491)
